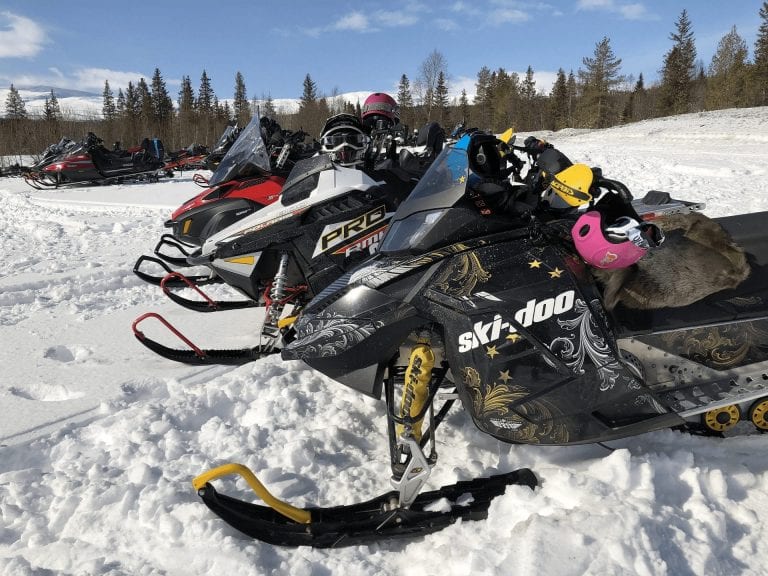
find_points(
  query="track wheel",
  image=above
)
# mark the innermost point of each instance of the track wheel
(721, 419)
(758, 414)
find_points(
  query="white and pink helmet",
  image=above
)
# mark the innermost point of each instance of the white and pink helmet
(618, 245)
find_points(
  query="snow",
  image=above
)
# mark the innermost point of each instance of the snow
(100, 438)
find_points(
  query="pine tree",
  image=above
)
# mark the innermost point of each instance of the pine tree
(728, 73)
(205, 96)
(108, 108)
(464, 108)
(760, 67)
(405, 101)
(241, 108)
(120, 105)
(558, 102)
(51, 109)
(186, 100)
(677, 74)
(600, 77)
(573, 97)
(146, 108)
(132, 101)
(529, 106)
(15, 107)
(309, 95)
(162, 105)
(268, 107)
(483, 95)
(440, 100)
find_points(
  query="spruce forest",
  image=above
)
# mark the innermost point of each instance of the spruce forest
(597, 94)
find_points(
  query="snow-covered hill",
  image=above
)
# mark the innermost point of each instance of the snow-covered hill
(100, 438)
(79, 104)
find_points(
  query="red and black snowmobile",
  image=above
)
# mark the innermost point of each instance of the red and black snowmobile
(249, 177)
(89, 162)
(190, 158)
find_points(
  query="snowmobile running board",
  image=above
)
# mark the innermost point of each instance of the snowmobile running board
(282, 524)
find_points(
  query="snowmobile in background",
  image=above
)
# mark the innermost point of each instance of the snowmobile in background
(90, 162)
(498, 311)
(249, 177)
(329, 218)
(190, 158)
(222, 146)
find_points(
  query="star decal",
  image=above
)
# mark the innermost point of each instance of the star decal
(556, 273)
(535, 264)
(461, 179)
(491, 351)
(514, 337)
(504, 376)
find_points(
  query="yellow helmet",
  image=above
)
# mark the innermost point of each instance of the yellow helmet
(570, 188)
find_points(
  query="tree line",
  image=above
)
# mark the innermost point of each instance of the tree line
(596, 95)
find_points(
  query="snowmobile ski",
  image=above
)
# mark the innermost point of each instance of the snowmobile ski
(199, 280)
(207, 304)
(194, 354)
(375, 520)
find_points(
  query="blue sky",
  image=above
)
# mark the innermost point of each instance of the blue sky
(345, 46)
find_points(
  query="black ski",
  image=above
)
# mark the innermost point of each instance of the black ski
(370, 521)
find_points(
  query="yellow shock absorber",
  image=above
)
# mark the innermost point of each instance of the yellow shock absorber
(416, 388)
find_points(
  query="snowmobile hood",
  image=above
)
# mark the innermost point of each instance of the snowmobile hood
(247, 157)
(323, 183)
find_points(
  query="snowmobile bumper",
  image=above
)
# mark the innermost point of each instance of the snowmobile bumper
(375, 520)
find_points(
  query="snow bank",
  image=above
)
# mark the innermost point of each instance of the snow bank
(100, 438)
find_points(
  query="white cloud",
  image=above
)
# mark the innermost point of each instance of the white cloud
(356, 21)
(20, 37)
(86, 79)
(628, 11)
(395, 19)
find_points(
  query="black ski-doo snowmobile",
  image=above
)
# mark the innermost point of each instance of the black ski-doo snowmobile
(499, 310)
(329, 218)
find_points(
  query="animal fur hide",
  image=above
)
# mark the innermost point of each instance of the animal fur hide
(697, 258)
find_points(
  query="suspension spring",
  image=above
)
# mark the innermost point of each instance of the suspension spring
(277, 293)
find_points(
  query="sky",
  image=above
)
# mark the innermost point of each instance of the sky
(344, 46)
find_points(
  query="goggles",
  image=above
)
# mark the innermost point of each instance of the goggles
(334, 142)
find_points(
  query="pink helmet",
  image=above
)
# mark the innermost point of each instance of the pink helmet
(611, 247)
(380, 110)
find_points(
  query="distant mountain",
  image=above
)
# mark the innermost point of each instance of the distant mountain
(45, 91)
(80, 103)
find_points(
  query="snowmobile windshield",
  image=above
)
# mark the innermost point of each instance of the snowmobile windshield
(225, 138)
(247, 157)
(421, 218)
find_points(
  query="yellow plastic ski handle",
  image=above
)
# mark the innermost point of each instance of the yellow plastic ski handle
(296, 514)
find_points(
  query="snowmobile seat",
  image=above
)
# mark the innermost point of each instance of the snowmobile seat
(747, 301)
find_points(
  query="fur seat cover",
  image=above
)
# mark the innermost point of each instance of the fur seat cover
(697, 258)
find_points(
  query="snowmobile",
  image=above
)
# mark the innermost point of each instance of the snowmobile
(190, 158)
(92, 163)
(249, 177)
(328, 219)
(222, 146)
(497, 310)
